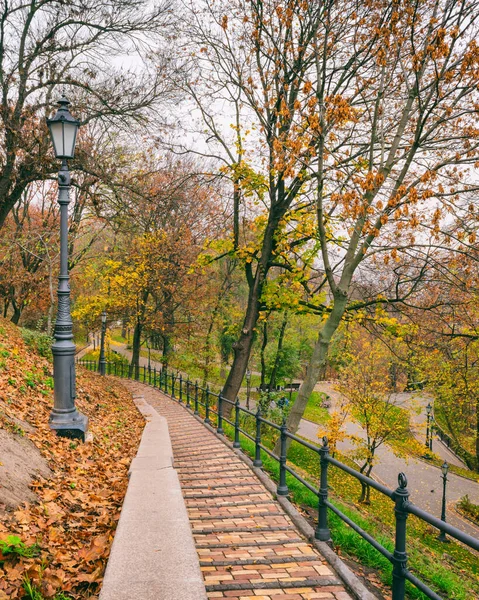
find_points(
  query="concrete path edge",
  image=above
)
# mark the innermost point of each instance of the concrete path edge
(153, 556)
(352, 582)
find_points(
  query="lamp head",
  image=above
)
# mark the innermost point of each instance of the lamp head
(63, 130)
(103, 317)
(248, 374)
(429, 408)
(444, 468)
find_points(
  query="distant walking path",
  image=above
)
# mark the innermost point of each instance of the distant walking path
(247, 546)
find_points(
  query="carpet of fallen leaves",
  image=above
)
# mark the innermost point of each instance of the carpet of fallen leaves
(75, 518)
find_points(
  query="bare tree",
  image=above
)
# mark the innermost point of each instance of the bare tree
(80, 46)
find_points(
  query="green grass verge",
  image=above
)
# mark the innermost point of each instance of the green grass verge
(314, 410)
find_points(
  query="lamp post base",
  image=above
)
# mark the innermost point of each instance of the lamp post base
(73, 425)
(442, 538)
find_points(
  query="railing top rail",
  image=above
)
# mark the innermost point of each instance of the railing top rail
(269, 423)
(364, 478)
(454, 532)
(302, 442)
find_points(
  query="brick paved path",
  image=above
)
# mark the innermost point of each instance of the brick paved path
(248, 547)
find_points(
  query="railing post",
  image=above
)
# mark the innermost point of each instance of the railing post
(188, 393)
(322, 530)
(257, 454)
(401, 498)
(173, 385)
(154, 377)
(220, 415)
(282, 489)
(197, 412)
(207, 405)
(181, 388)
(144, 374)
(149, 375)
(236, 443)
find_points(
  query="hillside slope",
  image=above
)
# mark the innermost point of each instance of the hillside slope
(71, 506)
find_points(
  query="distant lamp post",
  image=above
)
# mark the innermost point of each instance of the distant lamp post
(102, 361)
(149, 355)
(428, 417)
(445, 468)
(65, 419)
(248, 387)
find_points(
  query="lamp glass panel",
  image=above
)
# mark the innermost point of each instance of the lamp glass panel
(56, 132)
(70, 131)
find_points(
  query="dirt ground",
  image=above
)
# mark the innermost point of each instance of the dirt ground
(20, 463)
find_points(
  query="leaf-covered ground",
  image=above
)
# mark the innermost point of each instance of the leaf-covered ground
(75, 517)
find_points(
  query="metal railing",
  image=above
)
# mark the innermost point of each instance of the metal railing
(193, 396)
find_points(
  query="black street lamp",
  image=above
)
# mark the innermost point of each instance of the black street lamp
(65, 419)
(102, 361)
(428, 416)
(445, 468)
(248, 387)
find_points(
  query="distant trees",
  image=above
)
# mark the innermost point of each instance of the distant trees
(28, 251)
(148, 277)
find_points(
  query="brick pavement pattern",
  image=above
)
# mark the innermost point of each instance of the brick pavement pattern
(248, 547)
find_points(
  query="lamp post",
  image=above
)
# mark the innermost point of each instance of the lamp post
(102, 361)
(428, 416)
(445, 468)
(248, 387)
(149, 354)
(65, 419)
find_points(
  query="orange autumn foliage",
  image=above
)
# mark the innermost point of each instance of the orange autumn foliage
(78, 508)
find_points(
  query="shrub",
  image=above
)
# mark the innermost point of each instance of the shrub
(39, 342)
(469, 509)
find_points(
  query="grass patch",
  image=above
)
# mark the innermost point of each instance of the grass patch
(314, 410)
(468, 509)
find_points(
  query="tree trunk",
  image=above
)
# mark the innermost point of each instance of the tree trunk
(365, 497)
(136, 347)
(242, 347)
(264, 343)
(272, 381)
(17, 311)
(318, 360)
(165, 356)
